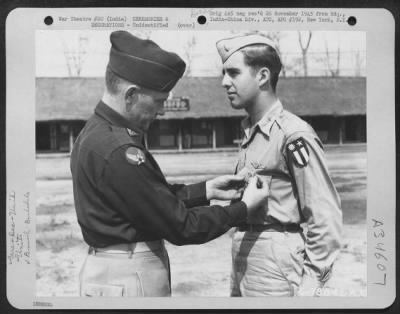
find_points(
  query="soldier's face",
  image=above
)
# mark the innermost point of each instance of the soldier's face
(240, 81)
(150, 104)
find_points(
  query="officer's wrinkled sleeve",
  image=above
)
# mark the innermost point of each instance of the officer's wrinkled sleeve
(141, 194)
(319, 203)
(192, 194)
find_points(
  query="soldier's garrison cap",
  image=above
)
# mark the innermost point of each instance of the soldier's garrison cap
(144, 63)
(227, 46)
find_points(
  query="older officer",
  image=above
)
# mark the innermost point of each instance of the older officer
(270, 255)
(124, 205)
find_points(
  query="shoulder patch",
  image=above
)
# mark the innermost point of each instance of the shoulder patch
(135, 156)
(297, 151)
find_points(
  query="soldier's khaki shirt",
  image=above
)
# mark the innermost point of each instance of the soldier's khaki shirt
(286, 150)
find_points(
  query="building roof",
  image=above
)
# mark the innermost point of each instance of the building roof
(75, 98)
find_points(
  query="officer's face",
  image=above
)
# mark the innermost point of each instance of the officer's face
(239, 81)
(150, 104)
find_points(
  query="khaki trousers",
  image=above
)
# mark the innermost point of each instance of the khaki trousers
(266, 263)
(142, 274)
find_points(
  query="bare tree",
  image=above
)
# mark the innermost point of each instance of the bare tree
(331, 68)
(304, 49)
(338, 58)
(75, 54)
(358, 62)
(295, 67)
(188, 52)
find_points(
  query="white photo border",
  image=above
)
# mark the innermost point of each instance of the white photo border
(21, 25)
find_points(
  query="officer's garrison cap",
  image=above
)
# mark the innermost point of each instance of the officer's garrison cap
(144, 63)
(227, 46)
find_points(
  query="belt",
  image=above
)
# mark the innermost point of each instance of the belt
(124, 249)
(270, 228)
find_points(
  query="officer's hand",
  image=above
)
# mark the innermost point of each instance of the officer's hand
(256, 193)
(226, 187)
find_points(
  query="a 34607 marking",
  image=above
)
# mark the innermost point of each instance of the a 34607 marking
(380, 251)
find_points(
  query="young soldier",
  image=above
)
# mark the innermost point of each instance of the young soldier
(270, 255)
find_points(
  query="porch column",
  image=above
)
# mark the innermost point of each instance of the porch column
(341, 130)
(71, 137)
(214, 136)
(180, 140)
(53, 136)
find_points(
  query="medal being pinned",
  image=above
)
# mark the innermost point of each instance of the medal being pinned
(298, 152)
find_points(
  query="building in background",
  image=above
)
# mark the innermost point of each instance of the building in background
(199, 115)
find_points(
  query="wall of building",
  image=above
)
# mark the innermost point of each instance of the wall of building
(355, 129)
(194, 133)
(59, 136)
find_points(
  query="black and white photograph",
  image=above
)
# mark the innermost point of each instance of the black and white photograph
(315, 88)
(174, 156)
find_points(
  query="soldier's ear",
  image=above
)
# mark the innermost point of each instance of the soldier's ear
(263, 75)
(131, 97)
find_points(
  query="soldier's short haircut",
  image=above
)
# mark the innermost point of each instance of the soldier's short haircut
(114, 83)
(259, 55)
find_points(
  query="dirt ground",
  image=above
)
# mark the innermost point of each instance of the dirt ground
(197, 270)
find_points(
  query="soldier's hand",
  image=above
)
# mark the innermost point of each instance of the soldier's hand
(256, 193)
(226, 187)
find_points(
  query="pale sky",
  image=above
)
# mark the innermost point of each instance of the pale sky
(52, 45)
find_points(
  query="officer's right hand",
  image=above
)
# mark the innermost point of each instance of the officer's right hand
(256, 193)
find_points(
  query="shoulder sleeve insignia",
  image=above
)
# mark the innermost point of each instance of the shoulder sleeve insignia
(135, 156)
(297, 151)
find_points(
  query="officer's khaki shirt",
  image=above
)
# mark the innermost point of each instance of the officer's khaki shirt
(288, 153)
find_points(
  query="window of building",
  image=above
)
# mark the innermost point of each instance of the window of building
(63, 137)
(200, 133)
(355, 129)
(228, 132)
(321, 126)
(163, 134)
(42, 136)
(77, 126)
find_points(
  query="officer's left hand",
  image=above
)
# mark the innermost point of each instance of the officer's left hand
(226, 187)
